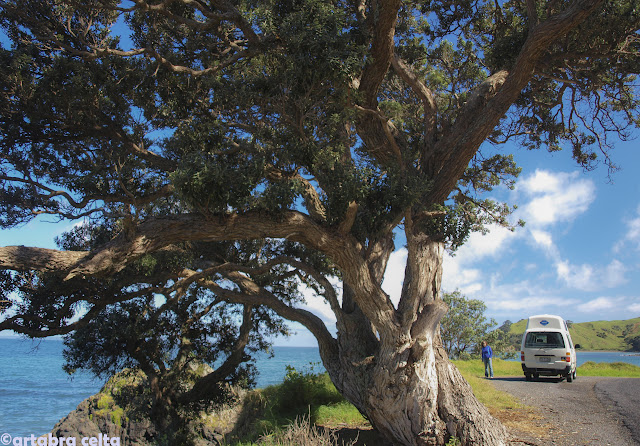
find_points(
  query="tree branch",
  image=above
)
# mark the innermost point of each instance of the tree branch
(252, 294)
(493, 98)
(423, 93)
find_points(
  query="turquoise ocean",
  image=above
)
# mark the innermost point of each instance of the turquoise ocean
(35, 392)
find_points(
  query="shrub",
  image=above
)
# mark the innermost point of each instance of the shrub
(300, 390)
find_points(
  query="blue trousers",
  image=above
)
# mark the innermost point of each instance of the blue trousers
(488, 367)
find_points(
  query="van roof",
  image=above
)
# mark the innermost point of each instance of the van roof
(546, 322)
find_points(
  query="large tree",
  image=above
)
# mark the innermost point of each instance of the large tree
(465, 326)
(333, 125)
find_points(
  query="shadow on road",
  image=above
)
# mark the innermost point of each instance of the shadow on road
(551, 379)
(507, 378)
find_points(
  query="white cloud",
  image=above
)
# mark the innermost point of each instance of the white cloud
(491, 244)
(544, 241)
(576, 276)
(605, 306)
(556, 197)
(317, 305)
(532, 304)
(634, 308)
(589, 278)
(632, 235)
(525, 297)
(600, 304)
(614, 274)
(457, 276)
(460, 271)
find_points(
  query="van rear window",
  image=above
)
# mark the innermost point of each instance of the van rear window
(544, 339)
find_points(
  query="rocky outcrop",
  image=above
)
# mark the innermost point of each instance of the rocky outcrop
(121, 410)
(88, 420)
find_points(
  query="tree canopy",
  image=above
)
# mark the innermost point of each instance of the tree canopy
(465, 326)
(304, 135)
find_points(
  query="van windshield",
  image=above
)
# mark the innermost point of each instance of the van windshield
(544, 339)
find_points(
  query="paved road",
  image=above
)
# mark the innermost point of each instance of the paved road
(623, 396)
(589, 411)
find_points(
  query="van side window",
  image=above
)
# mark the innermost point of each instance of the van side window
(544, 339)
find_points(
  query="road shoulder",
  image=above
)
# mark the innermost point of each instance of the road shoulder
(562, 414)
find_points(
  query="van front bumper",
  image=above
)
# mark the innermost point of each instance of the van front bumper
(546, 371)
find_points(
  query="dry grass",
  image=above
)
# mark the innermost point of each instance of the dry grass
(302, 433)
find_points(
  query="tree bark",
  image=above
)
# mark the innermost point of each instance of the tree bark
(413, 400)
(401, 379)
(425, 401)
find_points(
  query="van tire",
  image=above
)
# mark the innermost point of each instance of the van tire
(570, 377)
(527, 376)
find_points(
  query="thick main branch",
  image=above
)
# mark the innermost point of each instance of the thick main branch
(492, 99)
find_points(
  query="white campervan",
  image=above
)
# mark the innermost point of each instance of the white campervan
(547, 348)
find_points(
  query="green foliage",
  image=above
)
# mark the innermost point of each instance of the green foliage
(633, 342)
(299, 390)
(215, 116)
(207, 184)
(136, 118)
(301, 394)
(464, 327)
(107, 407)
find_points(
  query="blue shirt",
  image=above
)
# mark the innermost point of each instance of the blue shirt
(487, 353)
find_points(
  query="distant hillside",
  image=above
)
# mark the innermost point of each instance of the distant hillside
(598, 335)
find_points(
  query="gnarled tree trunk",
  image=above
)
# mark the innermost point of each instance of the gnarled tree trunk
(399, 375)
(414, 397)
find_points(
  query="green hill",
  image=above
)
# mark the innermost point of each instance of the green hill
(598, 335)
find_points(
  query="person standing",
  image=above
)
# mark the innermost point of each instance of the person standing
(487, 354)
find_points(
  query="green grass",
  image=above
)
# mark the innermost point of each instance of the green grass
(495, 400)
(614, 369)
(301, 394)
(500, 367)
(475, 368)
(339, 413)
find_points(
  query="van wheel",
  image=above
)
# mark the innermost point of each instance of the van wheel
(575, 374)
(570, 377)
(527, 376)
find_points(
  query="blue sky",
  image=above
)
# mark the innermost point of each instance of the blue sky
(578, 255)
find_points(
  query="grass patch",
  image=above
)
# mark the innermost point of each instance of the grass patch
(276, 410)
(105, 401)
(613, 369)
(502, 405)
(500, 367)
(495, 400)
(339, 414)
